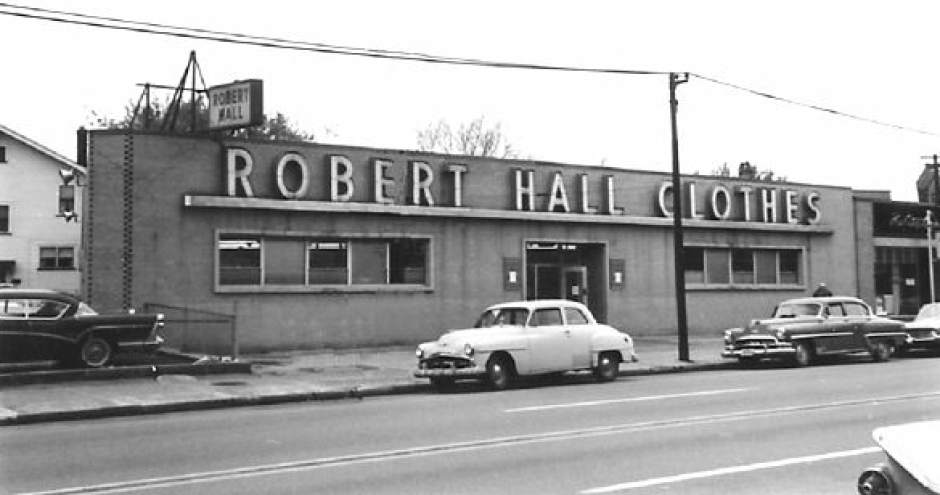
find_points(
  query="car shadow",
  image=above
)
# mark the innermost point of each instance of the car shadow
(570, 378)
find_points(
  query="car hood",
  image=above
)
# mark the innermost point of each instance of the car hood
(454, 340)
(913, 446)
(770, 324)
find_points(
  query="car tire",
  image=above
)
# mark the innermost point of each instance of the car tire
(608, 367)
(500, 372)
(95, 352)
(442, 383)
(880, 351)
(803, 355)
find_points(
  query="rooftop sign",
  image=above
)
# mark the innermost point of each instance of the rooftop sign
(236, 105)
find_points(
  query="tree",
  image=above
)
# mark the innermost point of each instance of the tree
(278, 127)
(474, 138)
(748, 171)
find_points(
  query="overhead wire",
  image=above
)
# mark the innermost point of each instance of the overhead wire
(115, 23)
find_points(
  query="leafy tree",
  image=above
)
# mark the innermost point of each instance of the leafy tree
(474, 138)
(277, 127)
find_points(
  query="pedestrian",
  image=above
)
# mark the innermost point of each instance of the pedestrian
(822, 290)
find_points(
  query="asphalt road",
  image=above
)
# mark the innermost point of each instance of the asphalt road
(769, 430)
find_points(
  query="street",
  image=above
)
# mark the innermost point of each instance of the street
(773, 429)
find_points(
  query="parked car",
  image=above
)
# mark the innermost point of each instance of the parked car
(802, 329)
(525, 338)
(911, 464)
(47, 325)
(925, 328)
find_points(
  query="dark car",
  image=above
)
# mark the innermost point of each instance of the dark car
(802, 329)
(47, 325)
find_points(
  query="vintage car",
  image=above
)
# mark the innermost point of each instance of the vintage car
(912, 465)
(525, 338)
(925, 328)
(802, 329)
(43, 325)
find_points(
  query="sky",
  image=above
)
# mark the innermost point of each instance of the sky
(869, 59)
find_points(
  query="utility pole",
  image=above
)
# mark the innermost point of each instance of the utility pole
(928, 219)
(936, 176)
(675, 79)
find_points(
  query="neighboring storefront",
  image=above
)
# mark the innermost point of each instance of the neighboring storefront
(313, 245)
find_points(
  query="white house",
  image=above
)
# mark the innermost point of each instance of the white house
(40, 231)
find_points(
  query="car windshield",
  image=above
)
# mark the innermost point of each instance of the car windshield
(796, 310)
(495, 317)
(84, 309)
(928, 311)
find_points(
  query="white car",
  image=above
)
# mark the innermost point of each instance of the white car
(525, 338)
(911, 464)
(924, 330)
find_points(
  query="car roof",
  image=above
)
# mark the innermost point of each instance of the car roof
(36, 294)
(823, 300)
(539, 303)
(913, 445)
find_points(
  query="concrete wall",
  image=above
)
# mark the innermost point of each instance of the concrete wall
(145, 246)
(29, 184)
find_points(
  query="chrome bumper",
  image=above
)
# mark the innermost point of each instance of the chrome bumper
(144, 345)
(471, 372)
(749, 352)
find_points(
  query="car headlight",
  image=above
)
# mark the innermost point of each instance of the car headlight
(419, 353)
(875, 482)
(780, 333)
(468, 350)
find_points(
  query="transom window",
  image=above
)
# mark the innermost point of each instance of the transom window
(707, 267)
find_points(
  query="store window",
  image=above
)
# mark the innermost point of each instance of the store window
(56, 258)
(302, 262)
(723, 268)
(327, 262)
(239, 260)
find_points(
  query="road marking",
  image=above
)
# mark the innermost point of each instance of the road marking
(628, 399)
(730, 470)
(511, 441)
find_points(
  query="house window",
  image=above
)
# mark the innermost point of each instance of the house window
(66, 199)
(239, 260)
(4, 219)
(56, 258)
(723, 268)
(3, 154)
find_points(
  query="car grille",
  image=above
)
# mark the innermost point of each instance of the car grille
(446, 362)
(756, 343)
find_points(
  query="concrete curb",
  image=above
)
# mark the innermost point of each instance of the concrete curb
(10, 418)
(140, 371)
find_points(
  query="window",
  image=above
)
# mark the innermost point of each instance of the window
(546, 317)
(46, 308)
(707, 267)
(575, 317)
(327, 262)
(4, 218)
(66, 199)
(300, 261)
(239, 260)
(56, 258)
(855, 309)
(835, 309)
(3, 154)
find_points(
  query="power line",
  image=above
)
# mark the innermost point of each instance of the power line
(814, 107)
(243, 39)
(120, 24)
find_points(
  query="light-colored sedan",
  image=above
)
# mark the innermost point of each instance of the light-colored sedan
(525, 338)
(924, 330)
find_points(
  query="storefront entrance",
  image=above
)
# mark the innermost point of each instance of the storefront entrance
(567, 271)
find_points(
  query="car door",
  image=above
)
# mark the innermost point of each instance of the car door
(862, 322)
(548, 341)
(16, 344)
(52, 339)
(580, 330)
(838, 329)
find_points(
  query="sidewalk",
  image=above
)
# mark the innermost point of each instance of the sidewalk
(274, 378)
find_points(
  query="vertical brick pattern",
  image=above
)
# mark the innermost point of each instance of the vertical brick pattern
(127, 246)
(88, 225)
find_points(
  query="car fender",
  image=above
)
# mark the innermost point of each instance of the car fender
(610, 341)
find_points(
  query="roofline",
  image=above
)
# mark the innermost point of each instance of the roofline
(42, 149)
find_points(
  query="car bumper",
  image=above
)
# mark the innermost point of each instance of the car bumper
(141, 346)
(769, 352)
(471, 372)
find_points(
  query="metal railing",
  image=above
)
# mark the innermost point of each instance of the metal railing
(197, 331)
